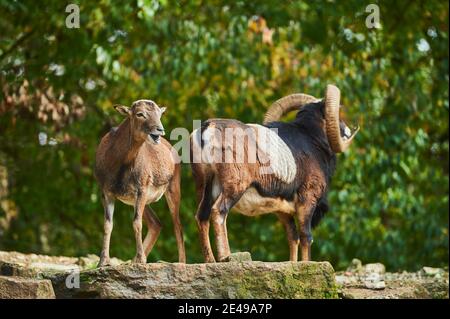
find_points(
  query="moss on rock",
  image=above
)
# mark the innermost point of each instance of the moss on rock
(220, 280)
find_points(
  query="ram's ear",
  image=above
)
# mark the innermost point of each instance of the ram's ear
(163, 109)
(122, 109)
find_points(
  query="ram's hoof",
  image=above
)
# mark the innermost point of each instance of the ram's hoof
(139, 260)
(237, 257)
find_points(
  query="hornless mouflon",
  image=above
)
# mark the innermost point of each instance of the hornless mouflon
(302, 158)
(137, 166)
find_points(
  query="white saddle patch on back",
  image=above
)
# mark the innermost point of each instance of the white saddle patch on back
(278, 158)
(272, 153)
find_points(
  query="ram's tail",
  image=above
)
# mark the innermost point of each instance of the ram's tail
(321, 209)
(203, 177)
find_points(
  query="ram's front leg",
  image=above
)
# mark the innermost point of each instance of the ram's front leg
(137, 227)
(288, 222)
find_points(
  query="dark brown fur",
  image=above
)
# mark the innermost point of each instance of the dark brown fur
(315, 161)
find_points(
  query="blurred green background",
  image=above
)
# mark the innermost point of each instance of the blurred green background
(389, 198)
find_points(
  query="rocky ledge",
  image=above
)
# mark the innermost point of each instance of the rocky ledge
(371, 281)
(38, 276)
(239, 277)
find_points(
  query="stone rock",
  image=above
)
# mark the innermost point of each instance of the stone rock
(238, 257)
(430, 271)
(435, 289)
(42, 266)
(239, 278)
(377, 268)
(374, 281)
(91, 261)
(355, 266)
(345, 280)
(215, 280)
(404, 285)
(25, 288)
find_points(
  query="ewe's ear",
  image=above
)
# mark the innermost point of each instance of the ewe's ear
(163, 109)
(122, 110)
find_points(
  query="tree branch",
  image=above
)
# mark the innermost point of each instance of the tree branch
(16, 44)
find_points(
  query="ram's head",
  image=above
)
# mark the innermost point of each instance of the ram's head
(340, 136)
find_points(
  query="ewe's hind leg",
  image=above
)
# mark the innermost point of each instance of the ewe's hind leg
(292, 234)
(173, 195)
(154, 228)
(108, 206)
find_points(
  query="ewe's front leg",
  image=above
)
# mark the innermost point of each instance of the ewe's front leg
(173, 196)
(108, 207)
(139, 206)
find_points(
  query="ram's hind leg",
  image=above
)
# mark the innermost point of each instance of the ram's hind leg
(234, 181)
(221, 235)
(203, 186)
(288, 222)
(202, 217)
(304, 215)
(220, 210)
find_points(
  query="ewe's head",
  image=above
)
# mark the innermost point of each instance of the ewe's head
(145, 120)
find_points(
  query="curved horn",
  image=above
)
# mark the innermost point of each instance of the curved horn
(337, 143)
(286, 104)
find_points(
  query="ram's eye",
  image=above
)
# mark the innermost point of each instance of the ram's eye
(140, 114)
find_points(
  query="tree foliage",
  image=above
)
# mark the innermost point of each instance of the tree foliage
(389, 198)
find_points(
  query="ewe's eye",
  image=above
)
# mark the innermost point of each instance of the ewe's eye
(140, 114)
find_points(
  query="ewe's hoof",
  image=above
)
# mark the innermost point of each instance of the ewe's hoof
(104, 263)
(210, 260)
(224, 259)
(139, 260)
